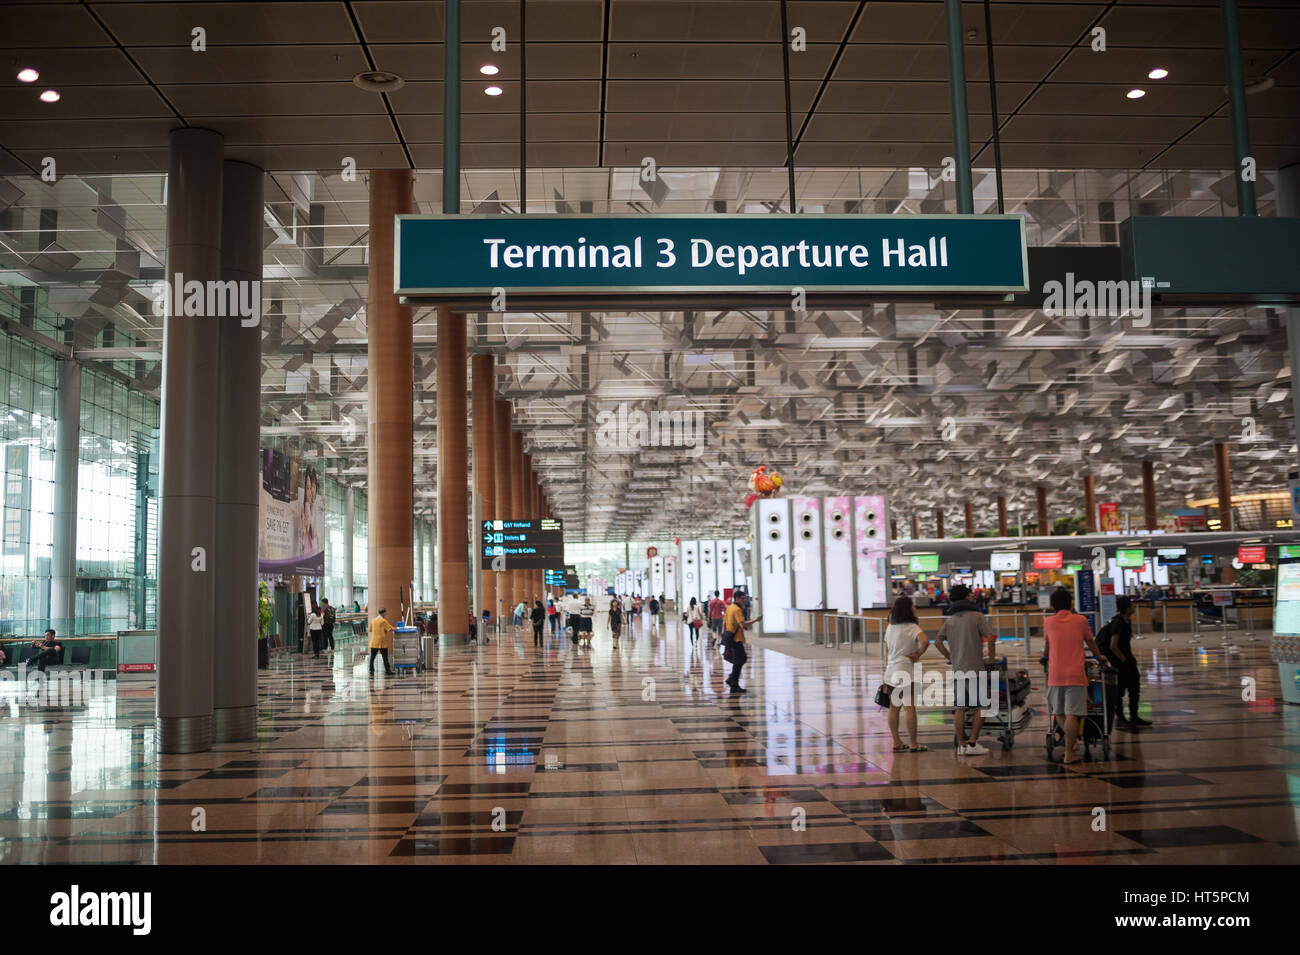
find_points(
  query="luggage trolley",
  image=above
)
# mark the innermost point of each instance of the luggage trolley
(1013, 712)
(1095, 726)
(408, 649)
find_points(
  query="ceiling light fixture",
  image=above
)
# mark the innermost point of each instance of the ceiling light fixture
(487, 69)
(493, 91)
(378, 81)
(28, 75)
(50, 96)
(1136, 94)
(1159, 73)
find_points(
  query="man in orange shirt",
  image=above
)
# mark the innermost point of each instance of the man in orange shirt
(1067, 633)
(733, 637)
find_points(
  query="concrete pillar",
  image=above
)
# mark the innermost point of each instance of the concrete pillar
(417, 546)
(188, 474)
(239, 398)
(1044, 528)
(1149, 494)
(970, 520)
(502, 444)
(1221, 479)
(1089, 504)
(519, 578)
(453, 480)
(390, 462)
(67, 444)
(349, 534)
(483, 388)
(938, 522)
(1002, 516)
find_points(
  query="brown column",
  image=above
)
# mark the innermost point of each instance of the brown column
(453, 481)
(501, 480)
(519, 578)
(1002, 516)
(1044, 529)
(1149, 494)
(484, 391)
(938, 522)
(916, 526)
(893, 529)
(1222, 479)
(390, 463)
(970, 520)
(1089, 504)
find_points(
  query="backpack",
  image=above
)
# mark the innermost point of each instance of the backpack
(1103, 638)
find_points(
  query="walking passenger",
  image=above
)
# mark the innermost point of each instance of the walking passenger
(694, 619)
(716, 610)
(905, 642)
(1114, 639)
(539, 621)
(381, 640)
(1066, 634)
(966, 628)
(733, 642)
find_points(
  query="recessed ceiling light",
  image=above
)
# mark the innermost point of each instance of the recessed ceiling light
(378, 81)
(1136, 94)
(28, 75)
(50, 96)
(1159, 73)
(493, 91)
(487, 69)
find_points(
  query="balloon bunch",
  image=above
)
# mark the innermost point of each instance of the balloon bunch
(762, 484)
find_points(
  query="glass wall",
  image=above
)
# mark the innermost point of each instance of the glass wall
(28, 387)
(117, 508)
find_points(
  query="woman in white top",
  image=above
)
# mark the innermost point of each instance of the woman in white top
(315, 624)
(905, 642)
(694, 620)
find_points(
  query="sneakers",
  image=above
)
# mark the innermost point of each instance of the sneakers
(1138, 721)
(972, 749)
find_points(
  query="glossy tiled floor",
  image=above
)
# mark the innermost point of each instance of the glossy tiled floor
(506, 754)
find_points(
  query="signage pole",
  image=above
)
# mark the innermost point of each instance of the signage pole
(960, 125)
(1237, 108)
(789, 128)
(451, 110)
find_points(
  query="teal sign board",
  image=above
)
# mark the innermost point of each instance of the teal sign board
(440, 256)
(1257, 256)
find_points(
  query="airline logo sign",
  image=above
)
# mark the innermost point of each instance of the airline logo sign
(442, 256)
(1048, 560)
(1251, 555)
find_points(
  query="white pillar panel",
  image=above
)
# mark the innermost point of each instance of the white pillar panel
(657, 576)
(690, 572)
(670, 577)
(870, 552)
(708, 569)
(837, 539)
(774, 575)
(726, 567)
(806, 553)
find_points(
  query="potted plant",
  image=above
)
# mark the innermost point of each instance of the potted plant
(263, 625)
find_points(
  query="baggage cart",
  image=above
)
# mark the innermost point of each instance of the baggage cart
(1095, 726)
(1013, 711)
(408, 649)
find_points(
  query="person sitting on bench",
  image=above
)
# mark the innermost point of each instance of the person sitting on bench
(48, 651)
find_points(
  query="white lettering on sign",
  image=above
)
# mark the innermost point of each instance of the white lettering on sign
(704, 253)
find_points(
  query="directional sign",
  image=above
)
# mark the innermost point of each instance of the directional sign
(523, 545)
(442, 257)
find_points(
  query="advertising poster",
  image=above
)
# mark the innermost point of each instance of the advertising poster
(292, 518)
(1108, 517)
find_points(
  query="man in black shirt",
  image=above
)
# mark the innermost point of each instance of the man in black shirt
(1114, 641)
(49, 651)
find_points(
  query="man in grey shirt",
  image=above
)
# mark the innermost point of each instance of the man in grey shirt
(966, 629)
